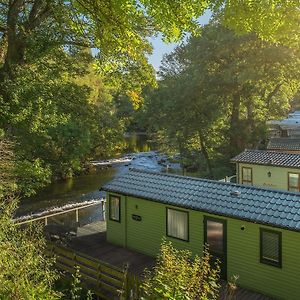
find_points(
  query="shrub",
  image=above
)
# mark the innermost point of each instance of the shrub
(177, 275)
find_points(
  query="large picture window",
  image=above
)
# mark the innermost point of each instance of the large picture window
(114, 208)
(294, 182)
(270, 247)
(178, 224)
(247, 176)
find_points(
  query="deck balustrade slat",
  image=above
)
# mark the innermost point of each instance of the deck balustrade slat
(111, 280)
(105, 269)
(103, 277)
(87, 261)
(88, 270)
(109, 288)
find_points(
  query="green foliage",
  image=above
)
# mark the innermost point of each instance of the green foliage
(56, 99)
(31, 176)
(7, 176)
(76, 287)
(117, 30)
(60, 115)
(73, 289)
(215, 94)
(179, 276)
(272, 20)
(26, 272)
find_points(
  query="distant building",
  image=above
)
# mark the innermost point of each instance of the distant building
(291, 145)
(284, 135)
(272, 169)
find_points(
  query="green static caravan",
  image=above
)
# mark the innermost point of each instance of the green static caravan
(270, 169)
(254, 231)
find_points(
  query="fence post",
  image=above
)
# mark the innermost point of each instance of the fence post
(74, 261)
(126, 289)
(99, 276)
(103, 209)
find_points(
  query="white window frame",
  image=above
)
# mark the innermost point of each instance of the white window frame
(177, 230)
(115, 217)
(290, 187)
(247, 181)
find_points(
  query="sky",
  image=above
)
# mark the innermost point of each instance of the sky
(160, 48)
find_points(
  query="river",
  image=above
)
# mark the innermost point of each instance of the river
(86, 186)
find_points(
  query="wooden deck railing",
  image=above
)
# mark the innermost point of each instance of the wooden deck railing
(103, 279)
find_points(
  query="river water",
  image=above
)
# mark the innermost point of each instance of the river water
(86, 187)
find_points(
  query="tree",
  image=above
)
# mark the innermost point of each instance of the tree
(275, 21)
(30, 29)
(118, 29)
(56, 99)
(256, 79)
(25, 273)
(48, 110)
(177, 275)
(60, 115)
(217, 91)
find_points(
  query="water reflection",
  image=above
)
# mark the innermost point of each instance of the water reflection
(77, 189)
(137, 143)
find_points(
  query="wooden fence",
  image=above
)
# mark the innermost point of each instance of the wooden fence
(103, 279)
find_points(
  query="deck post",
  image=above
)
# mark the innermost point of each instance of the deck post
(126, 285)
(103, 208)
(46, 221)
(74, 261)
(99, 276)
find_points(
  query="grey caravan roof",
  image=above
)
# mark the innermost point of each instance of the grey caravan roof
(265, 206)
(284, 144)
(270, 158)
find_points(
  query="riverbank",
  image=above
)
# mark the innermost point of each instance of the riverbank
(86, 186)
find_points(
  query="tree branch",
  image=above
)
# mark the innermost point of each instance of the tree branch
(272, 94)
(37, 14)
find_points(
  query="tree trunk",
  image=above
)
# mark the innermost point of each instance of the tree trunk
(205, 153)
(234, 131)
(250, 126)
(15, 45)
(17, 34)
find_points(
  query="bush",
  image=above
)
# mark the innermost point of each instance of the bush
(25, 271)
(179, 276)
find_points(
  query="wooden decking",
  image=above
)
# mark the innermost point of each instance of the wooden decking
(91, 240)
(95, 245)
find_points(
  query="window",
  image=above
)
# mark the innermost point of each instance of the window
(114, 208)
(246, 175)
(284, 133)
(270, 247)
(294, 182)
(178, 224)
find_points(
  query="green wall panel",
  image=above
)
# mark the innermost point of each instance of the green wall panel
(278, 179)
(115, 232)
(244, 261)
(146, 235)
